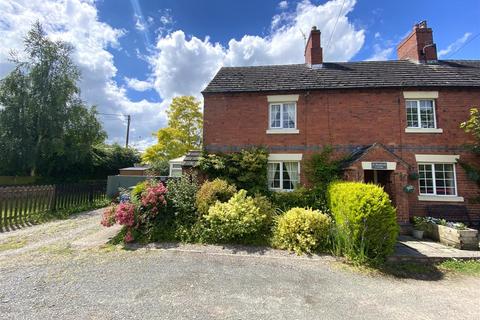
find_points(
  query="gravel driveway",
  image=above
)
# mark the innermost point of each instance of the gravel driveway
(55, 280)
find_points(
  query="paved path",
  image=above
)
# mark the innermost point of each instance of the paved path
(409, 248)
(55, 279)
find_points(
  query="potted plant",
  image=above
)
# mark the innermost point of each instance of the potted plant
(420, 225)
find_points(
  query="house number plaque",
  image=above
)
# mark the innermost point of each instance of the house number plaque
(379, 166)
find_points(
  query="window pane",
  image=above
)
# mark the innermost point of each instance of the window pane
(289, 115)
(426, 114)
(412, 114)
(290, 175)
(444, 179)
(176, 172)
(425, 180)
(275, 116)
(274, 175)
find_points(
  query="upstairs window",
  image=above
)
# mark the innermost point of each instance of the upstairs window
(421, 114)
(283, 116)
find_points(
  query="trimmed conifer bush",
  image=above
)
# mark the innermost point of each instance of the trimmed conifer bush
(366, 226)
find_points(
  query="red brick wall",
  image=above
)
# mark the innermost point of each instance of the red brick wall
(344, 119)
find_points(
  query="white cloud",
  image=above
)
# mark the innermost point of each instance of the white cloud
(138, 85)
(454, 46)
(377, 35)
(183, 65)
(76, 21)
(283, 4)
(380, 54)
(139, 25)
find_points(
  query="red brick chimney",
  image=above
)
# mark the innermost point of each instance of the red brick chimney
(418, 46)
(313, 50)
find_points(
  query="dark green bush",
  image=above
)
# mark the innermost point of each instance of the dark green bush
(181, 196)
(300, 197)
(366, 223)
(246, 169)
(211, 192)
(302, 230)
(321, 169)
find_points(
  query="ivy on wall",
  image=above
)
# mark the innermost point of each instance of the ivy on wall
(246, 169)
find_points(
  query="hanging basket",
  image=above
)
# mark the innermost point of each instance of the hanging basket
(409, 188)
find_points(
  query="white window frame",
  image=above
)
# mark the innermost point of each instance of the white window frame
(172, 169)
(281, 129)
(419, 127)
(434, 196)
(281, 162)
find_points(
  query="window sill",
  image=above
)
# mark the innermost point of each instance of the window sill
(440, 198)
(281, 190)
(423, 130)
(283, 131)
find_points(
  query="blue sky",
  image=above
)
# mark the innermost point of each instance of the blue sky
(136, 55)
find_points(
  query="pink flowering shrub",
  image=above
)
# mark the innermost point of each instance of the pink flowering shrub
(125, 214)
(108, 216)
(154, 196)
(128, 236)
(138, 213)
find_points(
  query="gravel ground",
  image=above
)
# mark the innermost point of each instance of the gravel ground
(54, 280)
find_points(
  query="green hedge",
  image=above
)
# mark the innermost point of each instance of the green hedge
(366, 223)
(238, 219)
(302, 230)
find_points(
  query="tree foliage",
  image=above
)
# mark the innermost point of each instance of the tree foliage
(45, 128)
(182, 133)
(472, 125)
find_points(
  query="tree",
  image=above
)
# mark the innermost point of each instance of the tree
(472, 126)
(45, 127)
(183, 132)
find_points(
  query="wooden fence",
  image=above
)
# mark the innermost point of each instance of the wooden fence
(23, 204)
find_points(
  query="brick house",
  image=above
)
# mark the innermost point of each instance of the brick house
(398, 120)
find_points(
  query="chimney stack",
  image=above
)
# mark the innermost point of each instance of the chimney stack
(313, 50)
(418, 46)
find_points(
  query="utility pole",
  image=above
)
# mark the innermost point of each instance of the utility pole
(128, 130)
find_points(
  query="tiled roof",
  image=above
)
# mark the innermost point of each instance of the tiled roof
(191, 158)
(367, 74)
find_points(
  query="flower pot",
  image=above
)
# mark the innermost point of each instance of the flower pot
(418, 234)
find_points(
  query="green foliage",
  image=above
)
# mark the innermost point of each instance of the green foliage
(45, 127)
(181, 196)
(246, 169)
(302, 230)
(159, 168)
(366, 225)
(420, 223)
(140, 188)
(472, 126)
(235, 220)
(467, 267)
(211, 192)
(182, 134)
(300, 197)
(108, 159)
(321, 170)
